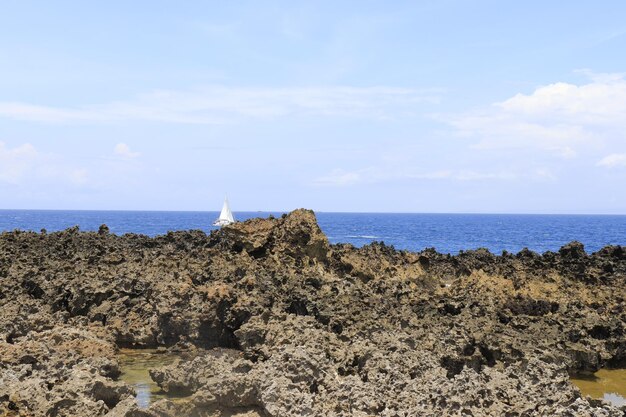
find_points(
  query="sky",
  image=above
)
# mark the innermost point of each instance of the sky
(362, 106)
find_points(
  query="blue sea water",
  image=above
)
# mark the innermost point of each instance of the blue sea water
(448, 233)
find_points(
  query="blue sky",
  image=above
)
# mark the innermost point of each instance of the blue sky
(417, 106)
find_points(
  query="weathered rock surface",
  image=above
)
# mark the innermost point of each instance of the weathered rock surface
(285, 324)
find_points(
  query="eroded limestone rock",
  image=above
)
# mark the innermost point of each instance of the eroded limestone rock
(278, 322)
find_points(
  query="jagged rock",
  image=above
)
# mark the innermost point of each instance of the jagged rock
(275, 321)
(573, 250)
(296, 235)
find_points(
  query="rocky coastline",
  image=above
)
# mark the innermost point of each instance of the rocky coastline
(275, 321)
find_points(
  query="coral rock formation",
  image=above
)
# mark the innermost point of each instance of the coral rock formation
(278, 322)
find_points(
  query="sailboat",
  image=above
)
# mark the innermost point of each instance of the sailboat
(226, 216)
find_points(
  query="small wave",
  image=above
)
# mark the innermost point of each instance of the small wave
(363, 237)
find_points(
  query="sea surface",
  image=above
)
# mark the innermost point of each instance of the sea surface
(448, 233)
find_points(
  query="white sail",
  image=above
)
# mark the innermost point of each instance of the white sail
(226, 216)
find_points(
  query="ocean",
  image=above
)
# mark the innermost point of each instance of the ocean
(448, 233)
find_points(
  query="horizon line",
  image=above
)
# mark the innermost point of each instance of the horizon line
(329, 212)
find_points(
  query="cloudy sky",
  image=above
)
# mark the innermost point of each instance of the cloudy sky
(416, 106)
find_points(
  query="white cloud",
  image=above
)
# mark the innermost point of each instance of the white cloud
(457, 175)
(16, 162)
(561, 118)
(543, 174)
(124, 151)
(342, 178)
(218, 104)
(613, 160)
(31, 112)
(79, 176)
(338, 178)
(25, 165)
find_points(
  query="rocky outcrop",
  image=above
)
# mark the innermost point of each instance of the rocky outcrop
(284, 324)
(60, 372)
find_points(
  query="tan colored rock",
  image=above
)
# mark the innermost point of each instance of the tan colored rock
(275, 321)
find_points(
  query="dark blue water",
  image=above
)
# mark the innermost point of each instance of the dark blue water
(445, 232)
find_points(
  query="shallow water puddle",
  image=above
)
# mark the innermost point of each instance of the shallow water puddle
(135, 364)
(608, 384)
